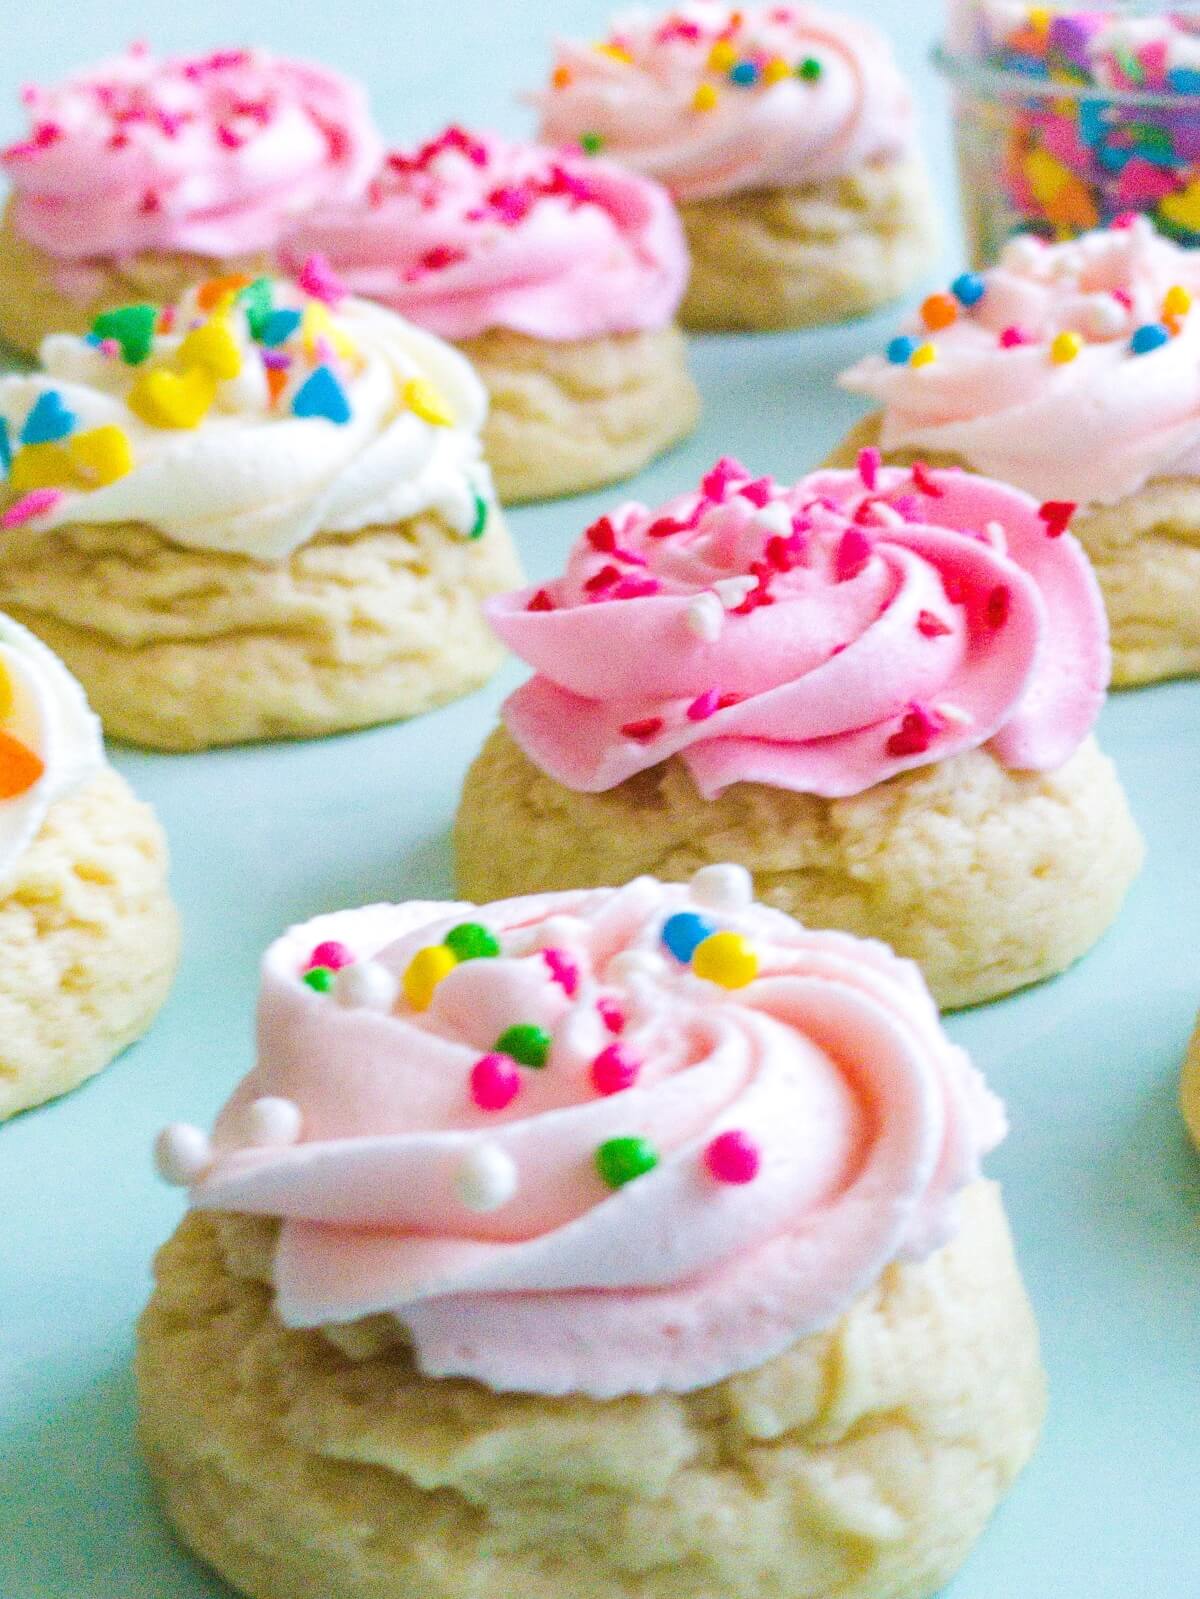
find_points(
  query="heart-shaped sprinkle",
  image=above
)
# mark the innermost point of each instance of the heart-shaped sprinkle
(20, 767)
(423, 397)
(49, 420)
(168, 399)
(278, 326)
(132, 326)
(101, 455)
(321, 395)
(41, 466)
(255, 300)
(212, 346)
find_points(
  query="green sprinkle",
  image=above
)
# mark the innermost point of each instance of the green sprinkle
(320, 978)
(256, 302)
(620, 1160)
(472, 941)
(591, 143)
(132, 326)
(481, 518)
(526, 1043)
(809, 69)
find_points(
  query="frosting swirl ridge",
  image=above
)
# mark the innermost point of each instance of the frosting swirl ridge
(771, 1149)
(214, 155)
(472, 232)
(819, 638)
(712, 101)
(1074, 372)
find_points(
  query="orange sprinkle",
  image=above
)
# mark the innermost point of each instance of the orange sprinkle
(275, 382)
(213, 290)
(20, 768)
(939, 311)
(561, 77)
(1173, 323)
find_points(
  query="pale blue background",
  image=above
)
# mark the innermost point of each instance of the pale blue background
(1103, 1191)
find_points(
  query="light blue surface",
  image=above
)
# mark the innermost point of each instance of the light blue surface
(1104, 1193)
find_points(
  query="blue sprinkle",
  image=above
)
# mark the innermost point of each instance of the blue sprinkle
(1184, 80)
(968, 288)
(48, 421)
(277, 326)
(322, 395)
(5, 447)
(1152, 336)
(900, 350)
(684, 932)
(745, 72)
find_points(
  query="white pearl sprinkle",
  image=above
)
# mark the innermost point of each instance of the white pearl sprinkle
(559, 932)
(182, 1153)
(1105, 317)
(995, 535)
(631, 964)
(776, 518)
(726, 887)
(953, 715)
(486, 1178)
(731, 591)
(884, 515)
(366, 985)
(1024, 254)
(706, 617)
(271, 1123)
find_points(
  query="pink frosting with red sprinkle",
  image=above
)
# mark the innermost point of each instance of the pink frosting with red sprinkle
(213, 154)
(810, 1128)
(472, 232)
(820, 637)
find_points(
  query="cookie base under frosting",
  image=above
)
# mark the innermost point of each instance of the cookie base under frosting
(989, 879)
(40, 295)
(184, 649)
(1146, 553)
(568, 417)
(794, 258)
(865, 1460)
(88, 942)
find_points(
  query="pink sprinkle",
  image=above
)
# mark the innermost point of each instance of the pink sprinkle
(1126, 219)
(716, 484)
(1123, 298)
(630, 557)
(333, 954)
(1012, 338)
(38, 502)
(664, 527)
(495, 1082)
(227, 137)
(908, 507)
(930, 625)
(785, 553)
(635, 588)
(603, 579)
(563, 970)
(46, 134)
(703, 706)
(759, 492)
(733, 1157)
(602, 535)
(512, 205)
(1057, 514)
(611, 1015)
(869, 462)
(541, 601)
(614, 1069)
(109, 347)
(853, 553)
(923, 482)
(999, 603)
(441, 257)
(317, 279)
(644, 728)
(915, 734)
(726, 700)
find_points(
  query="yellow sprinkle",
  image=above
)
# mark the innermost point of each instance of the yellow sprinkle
(776, 70)
(722, 56)
(40, 466)
(424, 972)
(923, 355)
(1177, 302)
(8, 696)
(1065, 348)
(705, 98)
(1039, 18)
(726, 959)
(212, 346)
(167, 399)
(421, 396)
(614, 52)
(100, 456)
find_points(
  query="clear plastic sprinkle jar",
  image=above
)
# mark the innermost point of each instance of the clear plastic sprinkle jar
(1066, 118)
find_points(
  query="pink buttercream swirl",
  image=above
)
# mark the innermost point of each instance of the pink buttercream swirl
(831, 1065)
(795, 95)
(215, 154)
(1093, 429)
(473, 232)
(819, 638)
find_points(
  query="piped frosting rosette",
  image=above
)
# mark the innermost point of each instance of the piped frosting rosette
(214, 155)
(602, 1142)
(1070, 370)
(820, 637)
(712, 100)
(246, 419)
(472, 232)
(50, 743)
